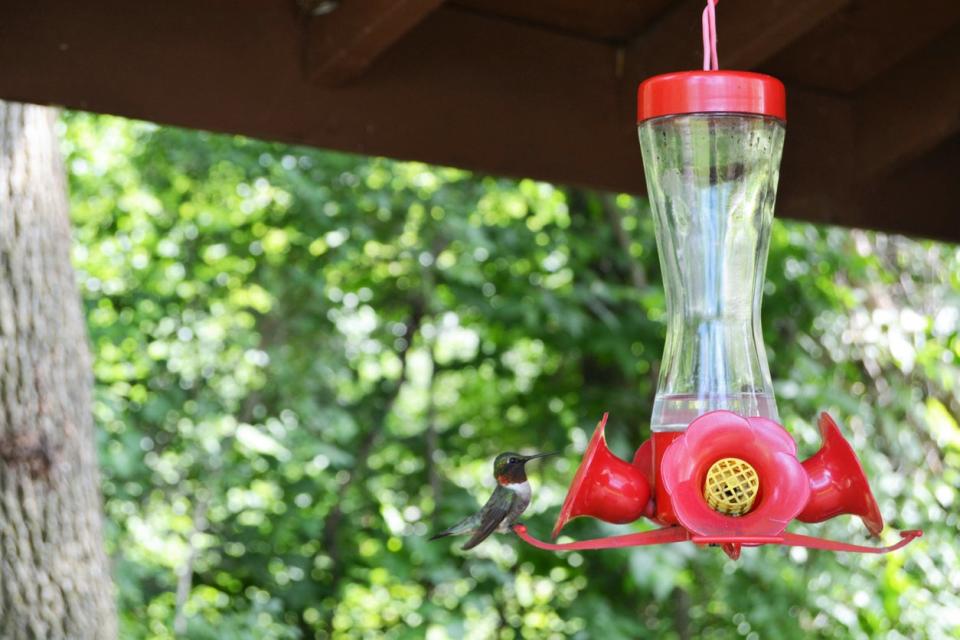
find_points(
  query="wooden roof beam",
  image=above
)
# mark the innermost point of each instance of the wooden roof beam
(443, 95)
(815, 172)
(862, 41)
(911, 109)
(749, 33)
(924, 199)
(341, 44)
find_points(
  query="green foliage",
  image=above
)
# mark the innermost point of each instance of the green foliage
(305, 362)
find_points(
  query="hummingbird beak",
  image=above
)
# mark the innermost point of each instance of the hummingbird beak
(540, 455)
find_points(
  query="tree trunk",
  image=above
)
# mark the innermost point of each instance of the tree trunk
(54, 575)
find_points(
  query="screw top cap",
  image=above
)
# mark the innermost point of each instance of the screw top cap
(686, 92)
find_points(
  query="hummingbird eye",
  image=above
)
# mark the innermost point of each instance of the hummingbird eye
(513, 461)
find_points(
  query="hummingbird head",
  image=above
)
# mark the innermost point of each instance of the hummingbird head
(508, 467)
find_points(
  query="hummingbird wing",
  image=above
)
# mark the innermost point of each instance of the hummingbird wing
(492, 514)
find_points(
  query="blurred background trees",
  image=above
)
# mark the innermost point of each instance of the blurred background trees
(306, 361)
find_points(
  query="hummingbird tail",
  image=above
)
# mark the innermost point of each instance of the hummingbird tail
(467, 525)
(442, 534)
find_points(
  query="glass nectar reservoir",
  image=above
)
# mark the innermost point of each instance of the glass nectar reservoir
(711, 144)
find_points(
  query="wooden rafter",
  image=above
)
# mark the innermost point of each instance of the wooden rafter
(911, 109)
(750, 33)
(463, 89)
(922, 199)
(341, 44)
(862, 41)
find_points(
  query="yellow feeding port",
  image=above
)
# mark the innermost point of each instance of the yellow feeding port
(731, 487)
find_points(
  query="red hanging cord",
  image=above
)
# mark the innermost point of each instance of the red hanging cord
(709, 21)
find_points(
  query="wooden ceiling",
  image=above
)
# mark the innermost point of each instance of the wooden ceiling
(534, 88)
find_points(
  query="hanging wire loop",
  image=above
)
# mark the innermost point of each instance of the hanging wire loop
(709, 21)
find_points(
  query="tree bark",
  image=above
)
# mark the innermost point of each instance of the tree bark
(54, 575)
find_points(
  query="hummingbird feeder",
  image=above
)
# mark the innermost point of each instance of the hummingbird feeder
(719, 468)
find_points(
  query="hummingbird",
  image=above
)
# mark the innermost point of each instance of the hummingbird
(509, 500)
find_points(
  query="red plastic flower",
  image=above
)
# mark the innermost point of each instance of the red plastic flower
(765, 445)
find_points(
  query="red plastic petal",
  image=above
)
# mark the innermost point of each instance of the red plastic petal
(765, 445)
(837, 481)
(605, 487)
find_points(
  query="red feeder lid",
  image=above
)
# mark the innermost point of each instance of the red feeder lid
(711, 92)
